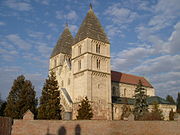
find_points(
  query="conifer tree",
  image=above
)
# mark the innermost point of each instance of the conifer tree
(178, 102)
(21, 98)
(49, 107)
(2, 108)
(85, 110)
(170, 99)
(140, 106)
(171, 115)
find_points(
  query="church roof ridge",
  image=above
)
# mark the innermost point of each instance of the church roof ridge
(64, 43)
(91, 28)
(129, 78)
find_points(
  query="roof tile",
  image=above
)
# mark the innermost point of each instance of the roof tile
(129, 79)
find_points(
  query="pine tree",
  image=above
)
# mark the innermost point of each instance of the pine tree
(178, 103)
(140, 106)
(85, 110)
(49, 107)
(21, 98)
(170, 99)
(171, 115)
(2, 108)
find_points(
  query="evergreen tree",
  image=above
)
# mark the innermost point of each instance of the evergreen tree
(178, 103)
(49, 107)
(0, 100)
(2, 108)
(140, 106)
(21, 98)
(170, 99)
(85, 110)
(171, 115)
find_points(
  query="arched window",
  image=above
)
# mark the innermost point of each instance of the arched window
(79, 64)
(98, 64)
(97, 48)
(55, 62)
(114, 91)
(79, 50)
(125, 92)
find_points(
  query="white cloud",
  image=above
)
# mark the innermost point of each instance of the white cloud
(44, 2)
(53, 26)
(114, 31)
(2, 23)
(164, 13)
(72, 15)
(43, 49)
(17, 40)
(59, 15)
(127, 59)
(162, 64)
(73, 28)
(120, 15)
(174, 40)
(21, 6)
(35, 34)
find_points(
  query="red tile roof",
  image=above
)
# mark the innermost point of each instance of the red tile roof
(128, 79)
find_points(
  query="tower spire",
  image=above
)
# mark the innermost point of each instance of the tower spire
(90, 6)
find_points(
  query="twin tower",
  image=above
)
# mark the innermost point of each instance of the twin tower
(82, 68)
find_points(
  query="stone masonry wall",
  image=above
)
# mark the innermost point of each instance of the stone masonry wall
(93, 127)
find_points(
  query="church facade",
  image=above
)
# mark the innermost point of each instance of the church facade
(82, 67)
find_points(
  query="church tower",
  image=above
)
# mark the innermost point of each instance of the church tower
(60, 53)
(91, 67)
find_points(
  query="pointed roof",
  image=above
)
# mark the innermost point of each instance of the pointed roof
(64, 43)
(91, 28)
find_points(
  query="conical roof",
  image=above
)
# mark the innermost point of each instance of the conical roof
(64, 43)
(91, 28)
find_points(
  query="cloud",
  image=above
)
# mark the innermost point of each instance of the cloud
(164, 13)
(73, 28)
(2, 23)
(59, 15)
(72, 15)
(162, 64)
(43, 49)
(35, 34)
(53, 26)
(120, 15)
(17, 40)
(44, 2)
(20, 6)
(127, 59)
(114, 31)
(174, 40)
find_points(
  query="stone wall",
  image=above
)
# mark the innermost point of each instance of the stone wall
(117, 110)
(128, 90)
(53, 127)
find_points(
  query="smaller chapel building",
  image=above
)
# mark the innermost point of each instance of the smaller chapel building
(82, 67)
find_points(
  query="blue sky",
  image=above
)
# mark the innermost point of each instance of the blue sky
(143, 35)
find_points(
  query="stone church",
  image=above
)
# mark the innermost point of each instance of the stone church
(82, 67)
